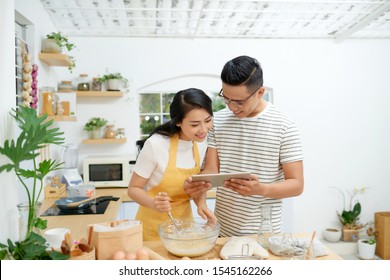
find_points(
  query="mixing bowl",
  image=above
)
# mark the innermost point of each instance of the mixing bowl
(190, 239)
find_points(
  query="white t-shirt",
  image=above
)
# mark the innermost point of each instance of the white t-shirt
(152, 161)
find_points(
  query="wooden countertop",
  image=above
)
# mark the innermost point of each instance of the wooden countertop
(78, 223)
(159, 248)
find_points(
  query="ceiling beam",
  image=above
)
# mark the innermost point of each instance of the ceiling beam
(385, 7)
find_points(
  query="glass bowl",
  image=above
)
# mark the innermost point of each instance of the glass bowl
(190, 239)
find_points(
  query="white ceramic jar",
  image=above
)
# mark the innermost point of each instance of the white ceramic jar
(332, 234)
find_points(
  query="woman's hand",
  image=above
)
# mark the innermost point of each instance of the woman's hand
(206, 214)
(196, 189)
(161, 202)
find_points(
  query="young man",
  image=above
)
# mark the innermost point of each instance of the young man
(250, 135)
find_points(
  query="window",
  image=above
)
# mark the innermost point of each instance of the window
(20, 45)
(24, 32)
(154, 109)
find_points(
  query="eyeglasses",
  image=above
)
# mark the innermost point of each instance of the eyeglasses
(237, 103)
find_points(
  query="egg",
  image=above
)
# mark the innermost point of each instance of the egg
(130, 256)
(142, 254)
(120, 255)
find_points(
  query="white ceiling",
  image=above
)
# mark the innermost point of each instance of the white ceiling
(337, 19)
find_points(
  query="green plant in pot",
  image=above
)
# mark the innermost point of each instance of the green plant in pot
(94, 126)
(55, 42)
(349, 217)
(114, 80)
(35, 134)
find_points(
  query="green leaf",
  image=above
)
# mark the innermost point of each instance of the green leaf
(40, 223)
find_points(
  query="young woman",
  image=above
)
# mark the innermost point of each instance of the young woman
(173, 152)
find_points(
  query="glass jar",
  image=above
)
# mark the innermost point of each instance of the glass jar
(266, 229)
(83, 84)
(65, 86)
(120, 133)
(96, 84)
(48, 102)
(27, 218)
(110, 132)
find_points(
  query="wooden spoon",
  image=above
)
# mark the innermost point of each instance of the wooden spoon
(77, 203)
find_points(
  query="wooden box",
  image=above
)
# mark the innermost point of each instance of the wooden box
(59, 192)
(350, 235)
(382, 227)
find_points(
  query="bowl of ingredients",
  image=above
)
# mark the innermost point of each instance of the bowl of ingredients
(188, 238)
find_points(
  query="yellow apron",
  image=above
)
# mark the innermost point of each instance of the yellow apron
(172, 184)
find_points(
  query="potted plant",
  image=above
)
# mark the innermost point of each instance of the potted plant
(94, 127)
(55, 42)
(114, 80)
(349, 217)
(366, 248)
(35, 133)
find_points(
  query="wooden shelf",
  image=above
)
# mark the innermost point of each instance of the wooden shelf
(55, 59)
(100, 93)
(62, 118)
(105, 141)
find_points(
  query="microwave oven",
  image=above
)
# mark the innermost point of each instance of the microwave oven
(107, 171)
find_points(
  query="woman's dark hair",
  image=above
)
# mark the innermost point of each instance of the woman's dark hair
(183, 102)
(243, 70)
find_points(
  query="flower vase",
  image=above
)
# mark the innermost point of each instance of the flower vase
(27, 219)
(96, 133)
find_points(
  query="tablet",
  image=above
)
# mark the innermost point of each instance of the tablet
(217, 179)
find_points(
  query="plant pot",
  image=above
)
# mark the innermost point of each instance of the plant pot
(350, 235)
(96, 133)
(366, 251)
(50, 46)
(113, 84)
(332, 234)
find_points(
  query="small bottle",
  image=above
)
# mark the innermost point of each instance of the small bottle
(266, 229)
(83, 84)
(110, 132)
(120, 133)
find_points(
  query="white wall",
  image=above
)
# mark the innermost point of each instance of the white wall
(336, 92)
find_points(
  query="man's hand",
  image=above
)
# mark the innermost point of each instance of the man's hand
(244, 187)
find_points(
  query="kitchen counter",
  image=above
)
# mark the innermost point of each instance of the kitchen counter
(78, 223)
(159, 248)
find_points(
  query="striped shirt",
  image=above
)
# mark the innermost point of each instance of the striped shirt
(259, 145)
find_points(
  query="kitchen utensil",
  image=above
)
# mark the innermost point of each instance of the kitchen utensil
(83, 202)
(170, 214)
(77, 203)
(173, 221)
(310, 249)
